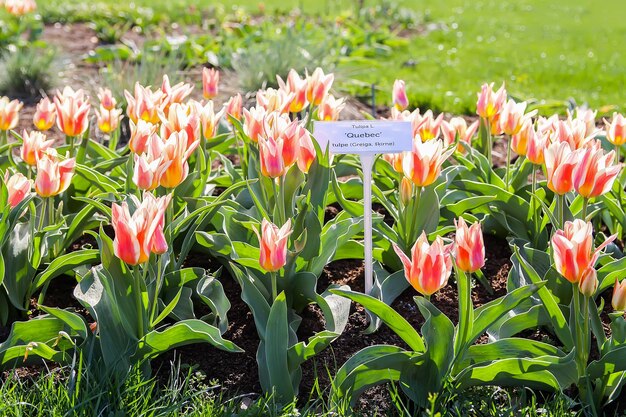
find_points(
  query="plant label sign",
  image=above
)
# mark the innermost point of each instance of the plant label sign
(365, 138)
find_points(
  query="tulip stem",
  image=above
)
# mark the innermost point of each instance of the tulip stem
(618, 151)
(508, 163)
(138, 302)
(5, 138)
(489, 142)
(414, 210)
(560, 210)
(42, 214)
(70, 139)
(274, 286)
(584, 210)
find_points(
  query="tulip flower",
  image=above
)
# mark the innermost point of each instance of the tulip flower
(430, 266)
(428, 126)
(139, 235)
(18, 187)
(588, 283)
(423, 164)
(181, 117)
(521, 139)
(572, 132)
(594, 174)
(107, 101)
(489, 103)
(536, 146)
(108, 120)
(210, 82)
(140, 133)
(588, 117)
(275, 100)
(144, 104)
(290, 137)
(273, 243)
(573, 249)
(298, 87)
(45, 115)
(271, 155)
(470, 249)
(457, 126)
(53, 175)
(209, 120)
(616, 130)
(176, 151)
(33, 146)
(560, 162)
(399, 97)
(233, 107)
(329, 108)
(254, 122)
(406, 191)
(72, 111)
(9, 113)
(20, 7)
(306, 151)
(512, 117)
(148, 171)
(318, 85)
(395, 160)
(173, 94)
(619, 295)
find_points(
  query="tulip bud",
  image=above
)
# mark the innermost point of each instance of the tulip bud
(298, 87)
(210, 82)
(306, 152)
(399, 97)
(318, 85)
(72, 111)
(470, 249)
(108, 120)
(619, 295)
(273, 243)
(18, 187)
(489, 103)
(330, 108)
(9, 113)
(254, 122)
(209, 120)
(233, 106)
(53, 176)
(423, 165)
(107, 101)
(406, 191)
(140, 133)
(45, 115)
(616, 130)
(34, 144)
(588, 282)
(537, 142)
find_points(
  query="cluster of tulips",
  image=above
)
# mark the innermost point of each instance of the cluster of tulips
(19, 7)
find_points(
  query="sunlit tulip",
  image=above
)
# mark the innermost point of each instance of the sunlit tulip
(490, 103)
(399, 97)
(290, 137)
(330, 107)
(254, 122)
(573, 249)
(298, 87)
(618, 301)
(9, 113)
(33, 146)
(72, 111)
(233, 107)
(616, 130)
(406, 191)
(560, 162)
(318, 85)
(588, 283)
(176, 151)
(395, 160)
(430, 267)
(520, 140)
(588, 117)
(53, 175)
(18, 187)
(148, 171)
(547, 125)
(423, 164)
(271, 156)
(273, 243)
(107, 101)
(512, 117)
(457, 127)
(428, 126)
(139, 235)
(209, 119)
(275, 100)
(210, 82)
(108, 120)
(20, 7)
(144, 104)
(140, 133)
(469, 246)
(173, 94)
(595, 173)
(306, 152)
(572, 132)
(45, 115)
(536, 146)
(181, 117)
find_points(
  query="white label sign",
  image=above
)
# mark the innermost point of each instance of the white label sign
(364, 136)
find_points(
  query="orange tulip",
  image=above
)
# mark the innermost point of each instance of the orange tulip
(176, 151)
(399, 97)
(53, 175)
(594, 174)
(430, 267)
(306, 151)
(537, 142)
(72, 111)
(107, 101)
(428, 126)
(619, 295)
(33, 146)
(298, 87)
(108, 120)
(45, 115)
(616, 130)
(275, 100)
(254, 122)
(18, 187)
(209, 120)
(423, 165)
(9, 113)
(573, 249)
(148, 170)
(210, 82)
(489, 103)
(520, 140)
(273, 243)
(395, 160)
(406, 191)
(572, 132)
(181, 117)
(560, 162)
(271, 155)
(233, 106)
(457, 126)
(329, 108)
(144, 104)
(512, 117)
(139, 235)
(469, 245)
(318, 85)
(140, 133)
(20, 7)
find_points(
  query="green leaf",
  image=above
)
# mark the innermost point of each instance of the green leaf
(65, 263)
(276, 348)
(507, 348)
(389, 316)
(97, 179)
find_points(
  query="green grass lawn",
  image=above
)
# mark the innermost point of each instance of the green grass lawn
(549, 51)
